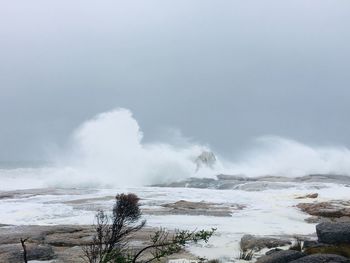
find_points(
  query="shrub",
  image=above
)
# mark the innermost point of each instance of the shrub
(113, 233)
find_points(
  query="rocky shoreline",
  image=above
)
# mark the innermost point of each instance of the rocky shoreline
(332, 245)
(63, 243)
(58, 244)
(240, 182)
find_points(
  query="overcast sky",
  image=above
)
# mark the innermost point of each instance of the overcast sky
(222, 72)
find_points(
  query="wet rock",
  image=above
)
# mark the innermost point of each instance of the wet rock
(310, 243)
(257, 243)
(69, 255)
(320, 219)
(322, 258)
(225, 177)
(261, 186)
(319, 248)
(313, 196)
(69, 239)
(241, 182)
(325, 178)
(273, 251)
(25, 193)
(333, 233)
(184, 207)
(205, 159)
(335, 208)
(40, 252)
(283, 256)
(13, 253)
(12, 235)
(202, 183)
(63, 244)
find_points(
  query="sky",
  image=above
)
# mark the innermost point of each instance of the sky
(222, 72)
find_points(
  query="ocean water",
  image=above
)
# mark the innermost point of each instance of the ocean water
(269, 212)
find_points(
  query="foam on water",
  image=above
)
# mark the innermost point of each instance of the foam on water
(269, 212)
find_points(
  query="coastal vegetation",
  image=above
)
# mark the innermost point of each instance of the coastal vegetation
(113, 235)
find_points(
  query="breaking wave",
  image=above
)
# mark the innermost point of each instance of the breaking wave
(108, 150)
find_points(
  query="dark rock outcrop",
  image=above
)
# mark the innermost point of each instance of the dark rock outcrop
(205, 159)
(322, 258)
(333, 233)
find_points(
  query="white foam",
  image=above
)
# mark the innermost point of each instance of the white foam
(270, 212)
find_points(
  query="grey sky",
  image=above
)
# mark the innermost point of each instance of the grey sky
(223, 72)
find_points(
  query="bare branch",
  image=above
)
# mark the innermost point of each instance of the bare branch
(24, 249)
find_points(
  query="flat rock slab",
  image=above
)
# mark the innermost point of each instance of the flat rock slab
(312, 196)
(321, 248)
(333, 233)
(14, 253)
(60, 243)
(44, 242)
(245, 183)
(322, 258)
(183, 207)
(283, 256)
(25, 193)
(262, 186)
(320, 219)
(12, 235)
(331, 209)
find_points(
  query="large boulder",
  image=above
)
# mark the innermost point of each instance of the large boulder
(333, 233)
(322, 258)
(283, 256)
(249, 242)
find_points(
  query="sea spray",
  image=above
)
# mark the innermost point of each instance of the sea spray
(108, 151)
(277, 156)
